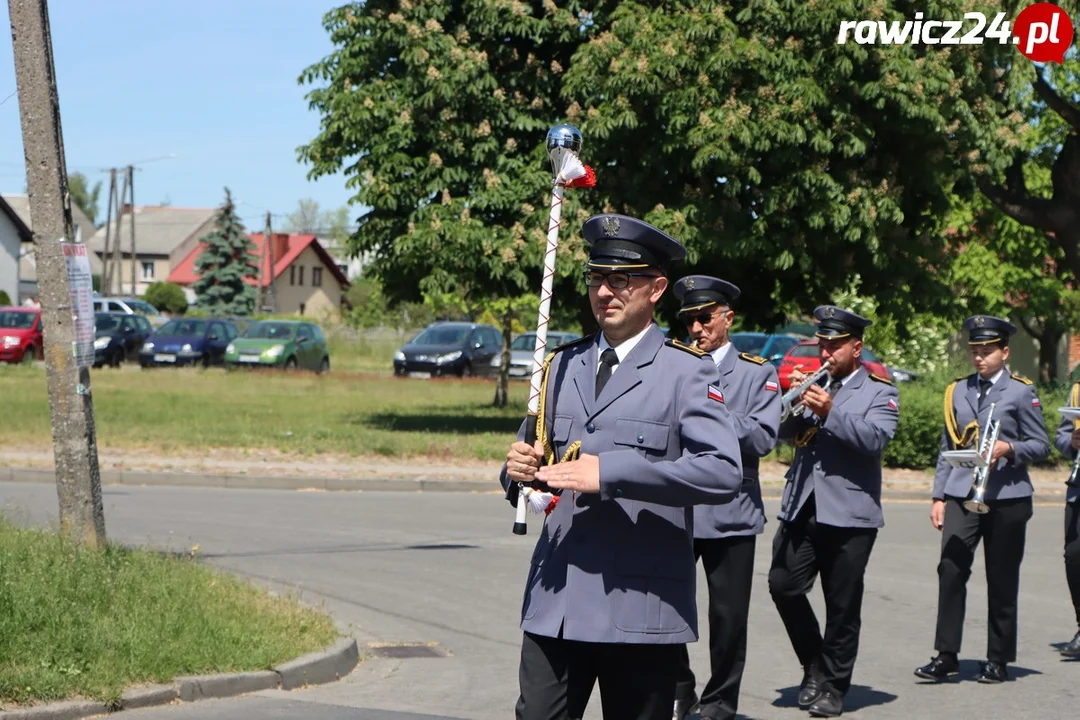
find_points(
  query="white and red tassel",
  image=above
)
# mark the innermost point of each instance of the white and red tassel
(575, 174)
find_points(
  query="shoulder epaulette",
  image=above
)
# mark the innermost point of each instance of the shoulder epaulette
(572, 343)
(1022, 379)
(880, 379)
(672, 342)
(756, 359)
(962, 377)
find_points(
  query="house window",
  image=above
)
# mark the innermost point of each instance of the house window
(316, 276)
(300, 280)
(292, 274)
(147, 270)
(301, 308)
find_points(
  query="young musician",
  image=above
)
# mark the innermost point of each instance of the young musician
(1021, 441)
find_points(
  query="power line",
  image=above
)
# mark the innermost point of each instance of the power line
(13, 92)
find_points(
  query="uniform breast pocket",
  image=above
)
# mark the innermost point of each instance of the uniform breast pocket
(647, 436)
(560, 431)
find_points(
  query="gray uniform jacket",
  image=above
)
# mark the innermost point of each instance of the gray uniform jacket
(752, 394)
(840, 462)
(618, 566)
(1063, 442)
(1020, 414)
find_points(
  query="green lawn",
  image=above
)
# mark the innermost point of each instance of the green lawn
(86, 623)
(345, 413)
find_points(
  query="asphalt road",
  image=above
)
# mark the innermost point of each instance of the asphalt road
(443, 569)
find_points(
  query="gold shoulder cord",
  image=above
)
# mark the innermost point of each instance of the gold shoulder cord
(574, 450)
(1074, 401)
(806, 437)
(970, 432)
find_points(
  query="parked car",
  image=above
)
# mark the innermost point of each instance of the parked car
(521, 351)
(119, 337)
(770, 346)
(189, 341)
(449, 348)
(806, 354)
(20, 334)
(130, 306)
(288, 344)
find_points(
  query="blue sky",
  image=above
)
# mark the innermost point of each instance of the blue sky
(212, 82)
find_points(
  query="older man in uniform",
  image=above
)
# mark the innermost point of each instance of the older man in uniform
(831, 508)
(611, 593)
(725, 535)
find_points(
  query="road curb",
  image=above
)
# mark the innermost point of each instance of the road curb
(317, 668)
(1044, 493)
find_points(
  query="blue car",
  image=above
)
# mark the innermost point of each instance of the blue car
(770, 346)
(188, 341)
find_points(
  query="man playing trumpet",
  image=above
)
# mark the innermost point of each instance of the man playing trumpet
(725, 535)
(831, 508)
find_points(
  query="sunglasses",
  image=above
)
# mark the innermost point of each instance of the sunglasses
(703, 318)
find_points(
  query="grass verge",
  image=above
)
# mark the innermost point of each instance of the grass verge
(171, 409)
(79, 623)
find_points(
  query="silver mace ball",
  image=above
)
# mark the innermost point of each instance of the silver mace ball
(562, 139)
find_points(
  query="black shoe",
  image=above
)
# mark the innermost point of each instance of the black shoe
(830, 704)
(1073, 648)
(810, 689)
(683, 706)
(942, 667)
(992, 672)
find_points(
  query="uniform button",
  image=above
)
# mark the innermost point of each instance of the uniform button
(641, 438)
(590, 428)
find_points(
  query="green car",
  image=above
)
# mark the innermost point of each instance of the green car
(288, 344)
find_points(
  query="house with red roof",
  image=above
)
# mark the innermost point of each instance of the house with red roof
(296, 274)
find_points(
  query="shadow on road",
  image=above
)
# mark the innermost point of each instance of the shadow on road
(857, 698)
(467, 423)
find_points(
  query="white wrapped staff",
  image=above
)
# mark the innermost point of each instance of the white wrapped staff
(563, 146)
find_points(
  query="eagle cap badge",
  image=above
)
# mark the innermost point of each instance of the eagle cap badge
(610, 226)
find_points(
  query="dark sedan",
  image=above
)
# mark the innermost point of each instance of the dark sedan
(118, 337)
(188, 341)
(449, 348)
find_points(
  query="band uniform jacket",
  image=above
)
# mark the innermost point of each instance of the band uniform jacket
(1017, 408)
(1063, 441)
(752, 394)
(839, 460)
(618, 566)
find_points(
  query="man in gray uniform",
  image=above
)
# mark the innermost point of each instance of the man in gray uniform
(611, 591)
(1067, 441)
(831, 508)
(1022, 440)
(725, 535)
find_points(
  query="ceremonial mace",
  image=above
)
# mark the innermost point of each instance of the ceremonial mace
(563, 145)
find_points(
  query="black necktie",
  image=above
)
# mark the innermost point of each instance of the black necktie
(984, 390)
(608, 360)
(834, 386)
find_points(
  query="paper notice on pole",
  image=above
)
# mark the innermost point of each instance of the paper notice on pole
(81, 288)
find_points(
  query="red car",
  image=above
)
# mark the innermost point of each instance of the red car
(20, 334)
(806, 355)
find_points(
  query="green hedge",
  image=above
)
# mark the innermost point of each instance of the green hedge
(916, 443)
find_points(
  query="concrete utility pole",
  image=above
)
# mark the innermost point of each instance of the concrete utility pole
(266, 264)
(131, 186)
(78, 481)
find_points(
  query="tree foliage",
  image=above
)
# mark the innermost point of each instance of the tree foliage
(225, 265)
(84, 196)
(165, 296)
(742, 127)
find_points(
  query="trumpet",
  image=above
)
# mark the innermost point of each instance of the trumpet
(1074, 476)
(797, 392)
(977, 502)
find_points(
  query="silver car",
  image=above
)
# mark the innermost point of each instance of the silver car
(521, 351)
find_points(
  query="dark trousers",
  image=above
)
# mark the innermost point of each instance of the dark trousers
(802, 549)
(637, 682)
(729, 572)
(1003, 531)
(1072, 554)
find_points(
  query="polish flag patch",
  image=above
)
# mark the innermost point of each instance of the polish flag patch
(1035, 402)
(893, 404)
(771, 386)
(716, 394)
